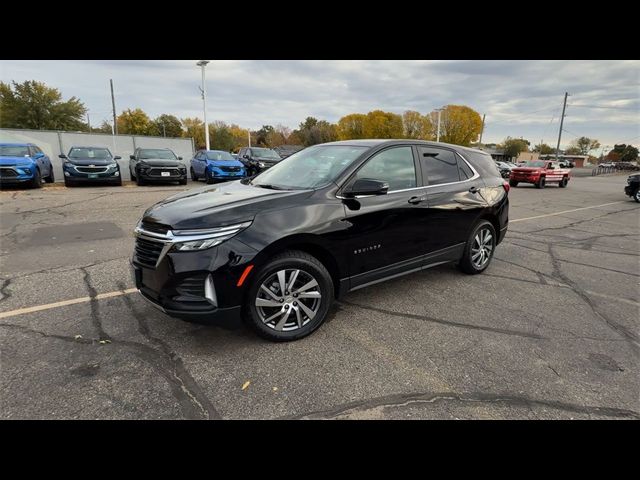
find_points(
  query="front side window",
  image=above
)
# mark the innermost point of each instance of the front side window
(394, 166)
(440, 166)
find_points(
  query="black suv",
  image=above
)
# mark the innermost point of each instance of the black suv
(257, 159)
(333, 218)
(156, 165)
(90, 164)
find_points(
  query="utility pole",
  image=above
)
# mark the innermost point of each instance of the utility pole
(203, 64)
(564, 107)
(481, 130)
(164, 131)
(89, 122)
(438, 134)
(113, 105)
(249, 135)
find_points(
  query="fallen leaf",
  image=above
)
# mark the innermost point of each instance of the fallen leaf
(275, 389)
(78, 337)
(245, 385)
(103, 342)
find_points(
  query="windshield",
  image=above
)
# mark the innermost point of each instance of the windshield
(310, 168)
(535, 163)
(219, 155)
(265, 153)
(97, 153)
(13, 151)
(157, 153)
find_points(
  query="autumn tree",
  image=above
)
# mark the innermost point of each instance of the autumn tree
(351, 126)
(459, 125)
(105, 127)
(134, 122)
(194, 128)
(572, 150)
(313, 131)
(278, 136)
(543, 149)
(623, 153)
(379, 124)
(33, 105)
(166, 126)
(514, 146)
(585, 144)
(418, 126)
(240, 137)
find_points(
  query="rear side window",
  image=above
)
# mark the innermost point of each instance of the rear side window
(439, 165)
(483, 163)
(463, 169)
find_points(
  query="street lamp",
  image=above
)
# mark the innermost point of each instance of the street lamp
(203, 64)
(439, 110)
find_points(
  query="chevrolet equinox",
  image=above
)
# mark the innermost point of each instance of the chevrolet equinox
(278, 248)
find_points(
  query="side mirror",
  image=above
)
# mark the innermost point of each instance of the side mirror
(117, 157)
(245, 156)
(366, 186)
(62, 155)
(38, 155)
(179, 158)
(132, 157)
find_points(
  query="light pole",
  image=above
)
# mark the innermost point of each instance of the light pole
(439, 110)
(203, 64)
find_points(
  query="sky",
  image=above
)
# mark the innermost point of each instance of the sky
(519, 98)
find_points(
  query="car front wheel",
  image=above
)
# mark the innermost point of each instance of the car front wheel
(289, 297)
(36, 182)
(636, 197)
(479, 249)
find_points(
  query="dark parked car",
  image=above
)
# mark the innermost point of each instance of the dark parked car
(333, 218)
(287, 150)
(24, 164)
(257, 159)
(156, 165)
(633, 187)
(90, 164)
(216, 165)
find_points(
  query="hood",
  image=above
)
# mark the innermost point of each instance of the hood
(225, 163)
(158, 162)
(91, 161)
(269, 160)
(220, 205)
(16, 160)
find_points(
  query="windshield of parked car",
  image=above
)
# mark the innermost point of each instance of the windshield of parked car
(157, 153)
(219, 155)
(13, 151)
(312, 167)
(97, 153)
(265, 153)
(535, 163)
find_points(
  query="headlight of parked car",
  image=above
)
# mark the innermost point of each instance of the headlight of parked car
(261, 164)
(203, 239)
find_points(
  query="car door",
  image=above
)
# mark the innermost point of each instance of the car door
(385, 233)
(454, 197)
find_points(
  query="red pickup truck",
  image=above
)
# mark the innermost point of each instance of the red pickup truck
(540, 172)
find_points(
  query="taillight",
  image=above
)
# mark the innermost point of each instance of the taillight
(506, 187)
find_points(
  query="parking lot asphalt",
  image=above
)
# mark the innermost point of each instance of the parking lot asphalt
(549, 331)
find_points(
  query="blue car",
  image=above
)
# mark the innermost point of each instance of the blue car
(89, 165)
(24, 163)
(216, 165)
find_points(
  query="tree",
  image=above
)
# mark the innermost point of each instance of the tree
(134, 122)
(166, 125)
(33, 105)
(220, 136)
(623, 153)
(262, 134)
(585, 145)
(351, 126)
(240, 137)
(514, 146)
(543, 149)
(194, 128)
(459, 125)
(313, 131)
(379, 124)
(572, 151)
(278, 136)
(412, 124)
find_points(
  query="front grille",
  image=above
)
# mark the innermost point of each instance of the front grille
(157, 172)
(8, 172)
(147, 252)
(155, 227)
(91, 169)
(230, 169)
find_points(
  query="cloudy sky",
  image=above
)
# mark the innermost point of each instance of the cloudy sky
(519, 98)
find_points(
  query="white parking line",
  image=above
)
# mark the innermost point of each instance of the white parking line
(564, 211)
(64, 303)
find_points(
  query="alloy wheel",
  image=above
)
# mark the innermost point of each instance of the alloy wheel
(288, 299)
(482, 248)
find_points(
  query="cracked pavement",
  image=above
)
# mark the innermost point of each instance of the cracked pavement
(549, 331)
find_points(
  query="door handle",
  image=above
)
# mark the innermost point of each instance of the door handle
(473, 190)
(416, 200)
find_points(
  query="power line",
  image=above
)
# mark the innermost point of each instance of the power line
(602, 106)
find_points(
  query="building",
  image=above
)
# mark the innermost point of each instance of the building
(578, 160)
(528, 156)
(496, 154)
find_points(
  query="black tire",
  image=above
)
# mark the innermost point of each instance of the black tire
(513, 183)
(194, 177)
(133, 176)
(291, 259)
(68, 183)
(140, 181)
(209, 178)
(36, 182)
(183, 181)
(541, 183)
(466, 263)
(636, 196)
(563, 182)
(51, 178)
(118, 183)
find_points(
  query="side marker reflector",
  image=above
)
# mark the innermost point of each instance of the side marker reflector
(244, 275)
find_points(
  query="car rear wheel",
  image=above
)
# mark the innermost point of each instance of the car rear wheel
(36, 182)
(139, 180)
(133, 175)
(479, 249)
(289, 297)
(51, 178)
(541, 183)
(194, 177)
(563, 182)
(636, 197)
(513, 183)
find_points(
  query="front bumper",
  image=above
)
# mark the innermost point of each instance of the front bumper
(222, 175)
(15, 175)
(160, 179)
(524, 178)
(630, 190)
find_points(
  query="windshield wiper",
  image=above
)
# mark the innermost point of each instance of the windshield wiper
(267, 185)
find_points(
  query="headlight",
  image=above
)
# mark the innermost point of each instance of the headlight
(112, 166)
(190, 240)
(261, 164)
